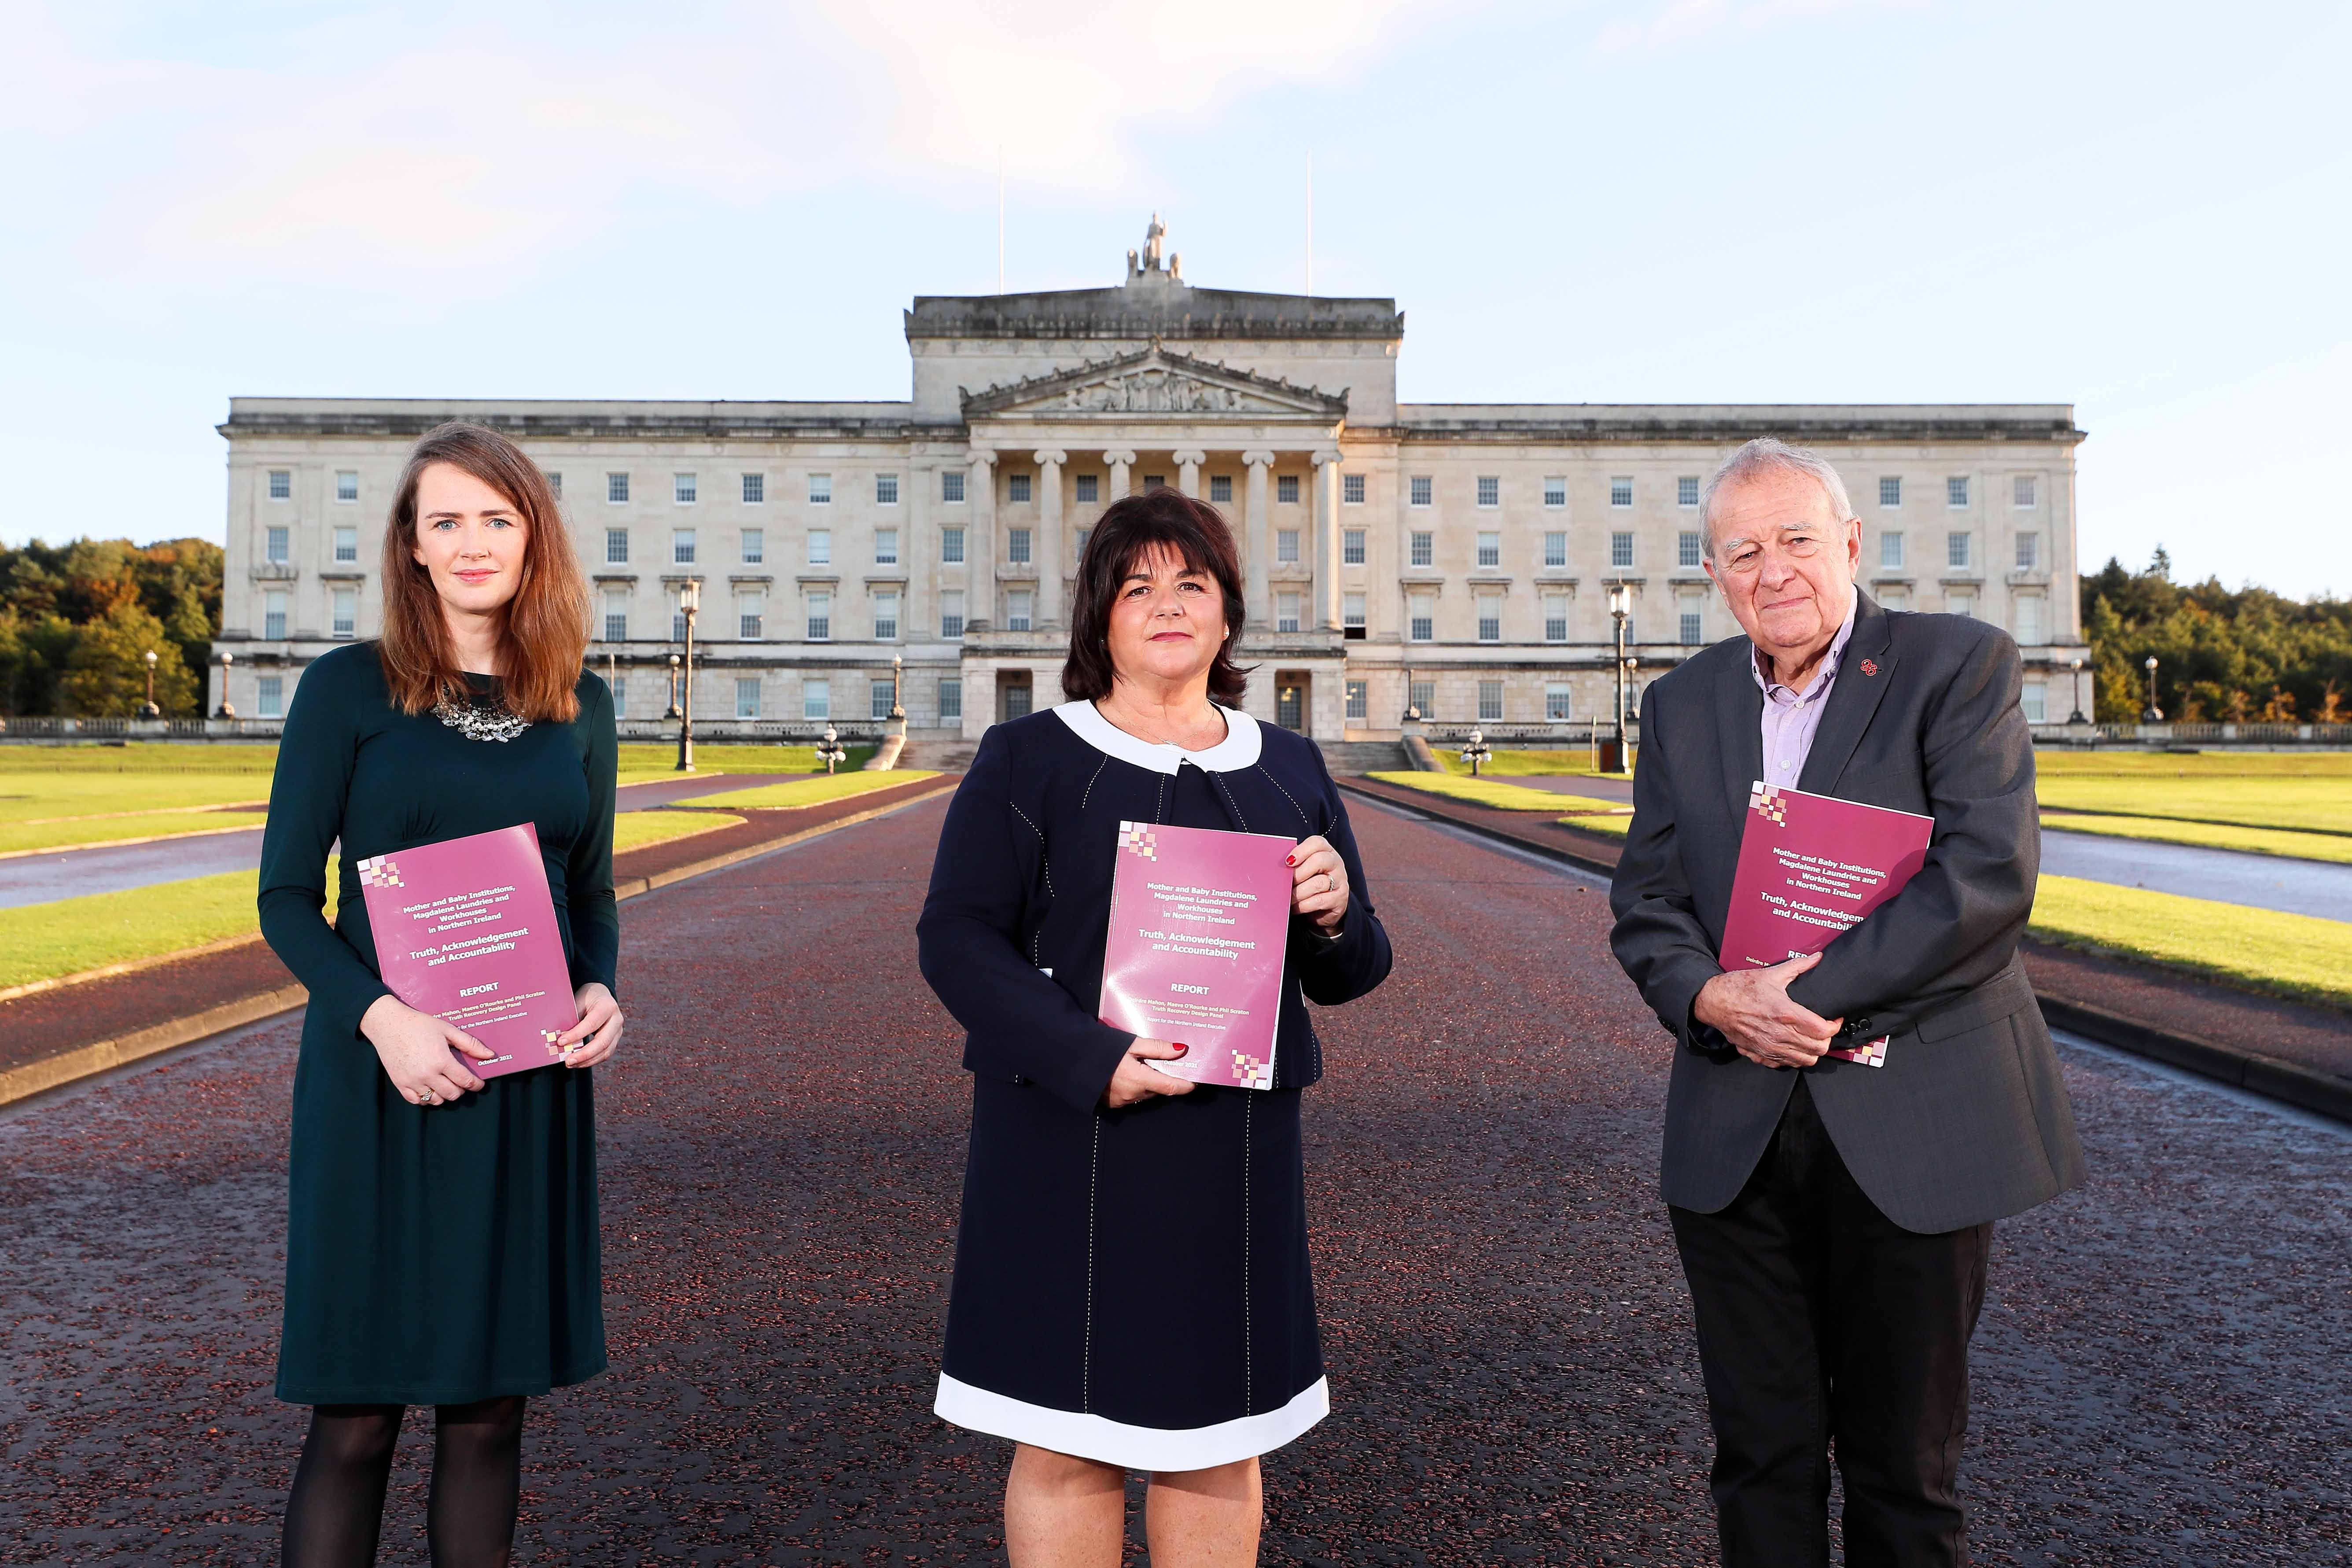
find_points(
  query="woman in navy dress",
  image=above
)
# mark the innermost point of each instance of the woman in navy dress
(1131, 1281)
(441, 1241)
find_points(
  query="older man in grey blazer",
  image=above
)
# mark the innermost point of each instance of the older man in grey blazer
(1835, 1218)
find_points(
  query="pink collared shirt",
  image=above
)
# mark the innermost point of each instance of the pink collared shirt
(1793, 718)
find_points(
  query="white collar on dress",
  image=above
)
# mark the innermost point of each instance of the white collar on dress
(1237, 749)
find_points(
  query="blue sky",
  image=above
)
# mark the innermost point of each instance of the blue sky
(2138, 209)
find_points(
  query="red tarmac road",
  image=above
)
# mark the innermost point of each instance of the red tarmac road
(2161, 1371)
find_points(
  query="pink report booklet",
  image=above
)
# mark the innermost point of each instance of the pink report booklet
(465, 930)
(1810, 866)
(1198, 921)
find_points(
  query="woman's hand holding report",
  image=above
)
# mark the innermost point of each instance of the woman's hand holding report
(1137, 1079)
(419, 1052)
(1318, 885)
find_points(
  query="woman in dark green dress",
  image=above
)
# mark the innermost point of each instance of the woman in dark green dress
(442, 1235)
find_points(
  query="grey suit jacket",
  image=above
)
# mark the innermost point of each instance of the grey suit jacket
(1967, 1120)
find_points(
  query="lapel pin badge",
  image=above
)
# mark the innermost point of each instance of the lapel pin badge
(1870, 667)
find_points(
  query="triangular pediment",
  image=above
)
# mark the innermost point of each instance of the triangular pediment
(1155, 381)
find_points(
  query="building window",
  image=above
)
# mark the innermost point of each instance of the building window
(1351, 616)
(1490, 549)
(1351, 490)
(1621, 490)
(1424, 549)
(1490, 489)
(820, 547)
(1686, 491)
(755, 489)
(1490, 617)
(1286, 545)
(1421, 618)
(1960, 603)
(346, 612)
(1285, 489)
(817, 698)
(754, 549)
(878, 699)
(1556, 548)
(269, 694)
(619, 685)
(951, 700)
(1621, 550)
(1559, 704)
(1154, 483)
(1016, 610)
(1351, 546)
(1693, 633)
(1016, 488)
(886, 490)
(683, 489)
(1360, 699)
(820, 615)
(347, 545)
(616, 547)
(555, 484)
(2026, 497)
(1490, 702)
(886, 547)
(1690, 548)
(1285, 611)
(951, 485)
(1083, 534)
(676, 622)
(1089, 489)
(751, 616)
(1220, 488)
(281, 484)
(2029, 551)
(1555, 489)
(2033, 696)
(1555, 608)
(681, 546)
(1890, 491)
(747, 697)
(951, 613)
(273, 615)
(1893, 599)
(1017, 549)
(347, 486)
(1956, 490)
(617, 614)
(951, 546)
(277, 544)
(886, 617)
(1421, 697)
(1418, 488)
(1957, 555)
(1890, 550)
(2029, 620)
(820, 491)
(616, 487)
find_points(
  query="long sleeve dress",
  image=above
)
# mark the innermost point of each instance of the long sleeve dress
(434, 1254)
(1130, 1286)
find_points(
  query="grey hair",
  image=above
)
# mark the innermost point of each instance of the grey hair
(1765, 455)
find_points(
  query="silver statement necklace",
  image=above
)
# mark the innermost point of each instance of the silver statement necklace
(480, 720)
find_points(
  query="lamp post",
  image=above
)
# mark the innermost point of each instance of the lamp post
(228, 708)
(2076, 716)
(1621, 609)
(672, 710)
(2151, 714)
(1476, 751)
(897, 674)
(148, 709)
(830, 751)
(689, 600)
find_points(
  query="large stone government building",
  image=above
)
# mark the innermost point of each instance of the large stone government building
(1454, 556)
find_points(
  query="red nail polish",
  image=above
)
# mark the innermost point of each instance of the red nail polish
(1181, 1048)
(1293, 860)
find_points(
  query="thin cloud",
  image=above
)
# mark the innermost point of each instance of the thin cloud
(1683, 24)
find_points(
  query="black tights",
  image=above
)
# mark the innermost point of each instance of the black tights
(337, 1504)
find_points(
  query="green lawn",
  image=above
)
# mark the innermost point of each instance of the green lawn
(1488, 793)
(2300, 956)
(142, 757)
(812, 792)
(1613, 827)
(643, 760)
(27, 796)
(1564, 762)
(2211, 836)
(2310, 804)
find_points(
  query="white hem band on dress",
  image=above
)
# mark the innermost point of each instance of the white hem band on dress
(1131, 1447)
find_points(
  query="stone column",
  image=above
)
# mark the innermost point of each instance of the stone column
(1327, 538)
(980, 543)
(1257, 548)
(1188, 473)
(1120, 480)
(1047, 553)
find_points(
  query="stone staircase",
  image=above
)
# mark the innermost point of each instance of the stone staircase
(938, 756)
(1364, 756)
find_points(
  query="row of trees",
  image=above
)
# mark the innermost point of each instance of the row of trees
(77, 621)
(2222, 655)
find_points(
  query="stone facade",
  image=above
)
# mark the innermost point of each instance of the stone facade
(1461, 553)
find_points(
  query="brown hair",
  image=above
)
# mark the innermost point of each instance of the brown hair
(546, 631)
(1190, 528)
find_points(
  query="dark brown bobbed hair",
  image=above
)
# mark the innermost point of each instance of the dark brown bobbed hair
(546, 632)
(1188, 528)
